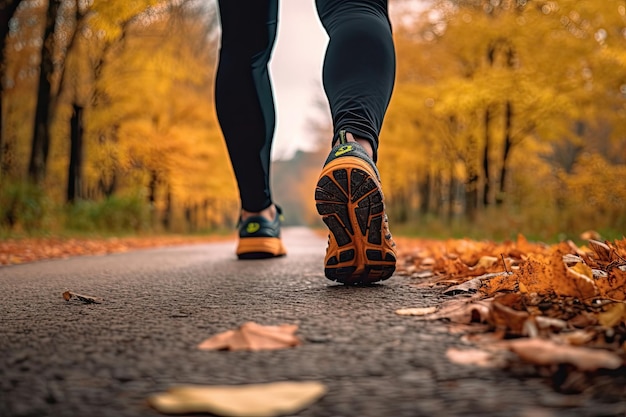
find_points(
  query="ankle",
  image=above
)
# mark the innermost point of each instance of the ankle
(268, 213)
(363, 142)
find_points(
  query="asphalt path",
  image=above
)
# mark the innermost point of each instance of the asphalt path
(61, 358)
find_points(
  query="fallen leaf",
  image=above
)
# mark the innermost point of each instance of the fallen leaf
(613, 316)
(502, 315)
(487, 262)
(470, 286)
(579, 282)
(417, 311)
(255, 400)
(253, 336)
(613, 286)
(570, 259)
(87, 299)
(546, 352)
(590, 234)
(576, 337)
(494, 283)
(462, 311)
(550, 323)
(475, 357)
(602, 250)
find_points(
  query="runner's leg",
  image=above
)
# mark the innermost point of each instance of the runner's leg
(359, 67)
(243, 95)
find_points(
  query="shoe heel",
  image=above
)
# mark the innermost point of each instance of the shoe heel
(349, 199)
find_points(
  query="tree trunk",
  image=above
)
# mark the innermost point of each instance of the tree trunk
(425, 189)
(108, 186)
(75, 172)
(451, 195)
(471, 196)
(487, 183)
(41, 135)
(7, 10)
(152, 187)
(508, 144)
(167, 216)
(438, 186)
(473, 177)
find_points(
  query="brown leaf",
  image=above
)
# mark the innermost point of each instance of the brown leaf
(470, 286)
(546, 352)
(502, 314)
(475, 357)
(256, 400)
(462, 311)
(602, 250)
(252, 336)
(87, 299)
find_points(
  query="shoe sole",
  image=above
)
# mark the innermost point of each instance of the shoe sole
(260, 248)
(350, 200)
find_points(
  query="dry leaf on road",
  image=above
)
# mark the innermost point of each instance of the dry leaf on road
(546, 352)
(253, 336)
(257, 400)
(87, 299)
(417, 311)
(613, 286)
(462, 311)
(475, 357)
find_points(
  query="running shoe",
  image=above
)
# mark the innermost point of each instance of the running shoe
(350, 200)
(259, 238)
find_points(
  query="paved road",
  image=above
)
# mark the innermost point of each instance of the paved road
(71, 359)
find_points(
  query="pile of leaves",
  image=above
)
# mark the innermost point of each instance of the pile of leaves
(560, 307)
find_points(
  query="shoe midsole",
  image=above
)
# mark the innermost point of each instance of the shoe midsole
(271, 245)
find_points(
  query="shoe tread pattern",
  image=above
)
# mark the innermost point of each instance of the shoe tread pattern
(346, 197)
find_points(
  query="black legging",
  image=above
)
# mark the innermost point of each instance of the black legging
(358, 76)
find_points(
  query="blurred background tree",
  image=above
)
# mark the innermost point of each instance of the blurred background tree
(509, 116)
(124, 134)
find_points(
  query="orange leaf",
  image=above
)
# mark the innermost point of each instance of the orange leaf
(613, 286)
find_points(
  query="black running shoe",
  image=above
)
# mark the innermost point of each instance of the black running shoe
(260, 238)
(350, 200)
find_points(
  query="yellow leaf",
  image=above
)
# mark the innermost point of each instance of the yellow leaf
(522, 288)
(582, 270)
(256, 400)
(475, 357)
(416, 311)
(613, 316)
